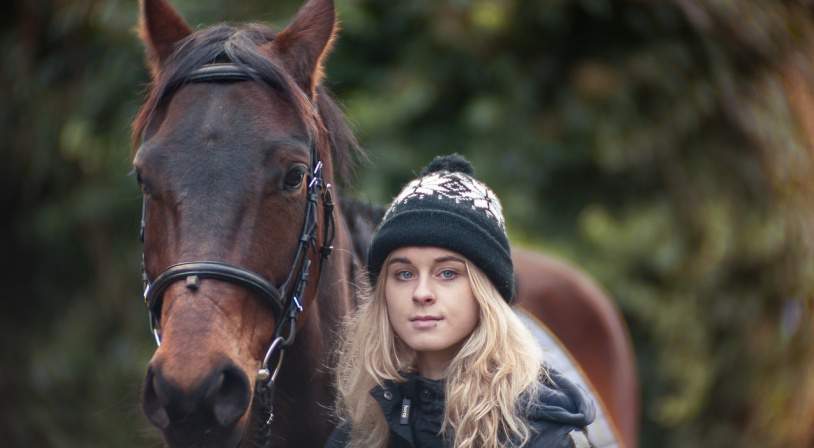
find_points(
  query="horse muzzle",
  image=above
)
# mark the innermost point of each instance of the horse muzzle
(203, 413)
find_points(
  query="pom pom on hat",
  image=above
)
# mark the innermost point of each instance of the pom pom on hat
(454, 163)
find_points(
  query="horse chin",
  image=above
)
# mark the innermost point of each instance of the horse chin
(200, 434)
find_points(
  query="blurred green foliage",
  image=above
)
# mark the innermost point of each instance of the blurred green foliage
(664, 147)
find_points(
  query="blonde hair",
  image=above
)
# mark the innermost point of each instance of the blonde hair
(498, 365)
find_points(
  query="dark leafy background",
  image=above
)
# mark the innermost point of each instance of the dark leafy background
(665, 147)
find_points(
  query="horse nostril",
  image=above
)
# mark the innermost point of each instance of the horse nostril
(221, 396)
(230, 395)
(154, 401)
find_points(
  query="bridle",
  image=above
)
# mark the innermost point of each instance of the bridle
(285, 300)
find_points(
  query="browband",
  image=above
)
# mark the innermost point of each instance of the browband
(227, 72)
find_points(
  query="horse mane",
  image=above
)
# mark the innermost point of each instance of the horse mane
(240, 45)
(362, 218)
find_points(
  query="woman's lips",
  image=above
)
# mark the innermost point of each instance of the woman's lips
(424, 322)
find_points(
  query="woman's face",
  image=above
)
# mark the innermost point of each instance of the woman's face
(429, 300)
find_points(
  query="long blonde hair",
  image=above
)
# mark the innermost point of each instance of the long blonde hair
(499, 363)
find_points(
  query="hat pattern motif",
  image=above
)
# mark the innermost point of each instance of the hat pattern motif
(452, 186)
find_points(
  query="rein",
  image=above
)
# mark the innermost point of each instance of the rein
(285, 300)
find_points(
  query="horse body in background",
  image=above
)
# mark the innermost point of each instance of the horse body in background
(238, 150)
(589, 327)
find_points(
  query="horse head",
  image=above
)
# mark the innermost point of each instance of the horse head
(234, 158)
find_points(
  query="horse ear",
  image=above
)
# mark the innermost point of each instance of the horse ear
(161, 28)
(304, 44)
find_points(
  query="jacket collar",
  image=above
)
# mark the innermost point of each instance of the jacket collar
(390, 398)
(413, 393)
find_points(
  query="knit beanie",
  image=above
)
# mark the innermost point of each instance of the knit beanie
(447, 207)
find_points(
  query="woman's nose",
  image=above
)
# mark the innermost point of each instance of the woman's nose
(423, 293)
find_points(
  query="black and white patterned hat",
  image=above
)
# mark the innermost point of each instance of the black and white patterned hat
(447, 207)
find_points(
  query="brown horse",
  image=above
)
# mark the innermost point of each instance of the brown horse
(246, 256)
(590, 328)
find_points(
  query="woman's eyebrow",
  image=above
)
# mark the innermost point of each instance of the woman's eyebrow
(449, 258)
(403, 260)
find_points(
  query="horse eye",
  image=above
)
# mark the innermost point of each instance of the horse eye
(294, 178)
(141, 183)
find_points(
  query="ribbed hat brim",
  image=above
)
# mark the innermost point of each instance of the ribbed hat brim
(452, 231)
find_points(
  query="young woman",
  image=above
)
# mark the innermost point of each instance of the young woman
(435, 356)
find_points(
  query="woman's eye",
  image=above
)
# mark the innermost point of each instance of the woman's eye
(404, 275)
(294, 178)
(448, 274)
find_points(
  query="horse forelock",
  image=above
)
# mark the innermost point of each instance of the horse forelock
(323, 118)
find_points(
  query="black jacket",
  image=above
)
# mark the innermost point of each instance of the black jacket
(414, 410)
